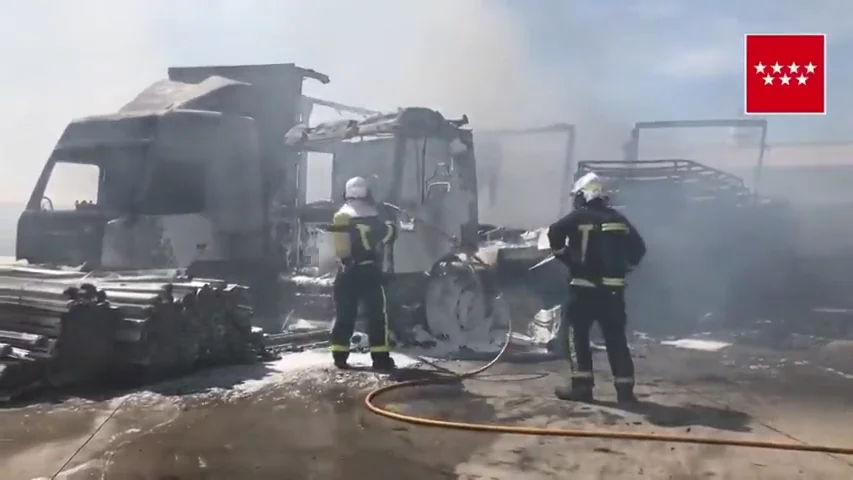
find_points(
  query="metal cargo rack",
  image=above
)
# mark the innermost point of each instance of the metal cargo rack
(674, 179)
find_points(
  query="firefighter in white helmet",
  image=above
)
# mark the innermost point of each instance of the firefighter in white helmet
(600, 246)
(359, 236)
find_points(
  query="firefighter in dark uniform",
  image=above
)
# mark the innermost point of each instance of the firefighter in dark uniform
(600, 246)
(359, 236)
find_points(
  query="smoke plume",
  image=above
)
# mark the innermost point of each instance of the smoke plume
(63, 61)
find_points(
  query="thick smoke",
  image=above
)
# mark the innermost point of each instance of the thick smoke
(469, 57)
(475, 58)
(61, 61)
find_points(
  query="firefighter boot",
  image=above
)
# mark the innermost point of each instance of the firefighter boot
(576, 392)
(382, 361)
(340, 359)
(625, 395)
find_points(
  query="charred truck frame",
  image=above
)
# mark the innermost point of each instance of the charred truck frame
(422, 172)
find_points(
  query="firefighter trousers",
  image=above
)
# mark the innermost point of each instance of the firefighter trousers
(354, 285)
(606, 305)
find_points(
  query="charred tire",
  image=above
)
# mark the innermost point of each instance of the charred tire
(459, 301)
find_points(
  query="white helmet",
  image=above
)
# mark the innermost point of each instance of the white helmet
(356, 188)
(589, 186)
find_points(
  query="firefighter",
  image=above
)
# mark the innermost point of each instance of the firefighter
(359, 236)
(599, 245)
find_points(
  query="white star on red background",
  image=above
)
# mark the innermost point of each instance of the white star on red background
(778, 71)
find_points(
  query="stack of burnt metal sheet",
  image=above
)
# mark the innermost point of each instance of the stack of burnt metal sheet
(59, 328)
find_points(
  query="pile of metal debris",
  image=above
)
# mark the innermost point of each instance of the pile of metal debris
(60, 328)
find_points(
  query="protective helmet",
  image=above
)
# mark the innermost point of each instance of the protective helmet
(587, 188)
(356, 188)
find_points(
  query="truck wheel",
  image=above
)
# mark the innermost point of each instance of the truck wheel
(458, 308)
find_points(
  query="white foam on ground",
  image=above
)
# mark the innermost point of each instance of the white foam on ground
(320, 281)
(839, 373)
(298, 324)
(289, 367)
(697, 344)
(289, 364)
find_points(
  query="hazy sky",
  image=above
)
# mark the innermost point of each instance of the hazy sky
(600, 63)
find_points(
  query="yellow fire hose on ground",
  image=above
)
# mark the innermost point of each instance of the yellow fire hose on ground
(448, 378)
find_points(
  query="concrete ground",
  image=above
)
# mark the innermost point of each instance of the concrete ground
(298, 419)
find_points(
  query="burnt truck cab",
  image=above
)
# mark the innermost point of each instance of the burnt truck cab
(74, 236)
(422, 170)
(177, 183)
(189, 171)
(414, 159)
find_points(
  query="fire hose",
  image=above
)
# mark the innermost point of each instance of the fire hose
(447, 378)
(455, 378)
(373, 396)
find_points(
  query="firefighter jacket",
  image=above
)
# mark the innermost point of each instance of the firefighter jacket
(359, 234)
(598, 244)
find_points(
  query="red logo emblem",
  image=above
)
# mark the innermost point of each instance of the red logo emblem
(785, 74)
